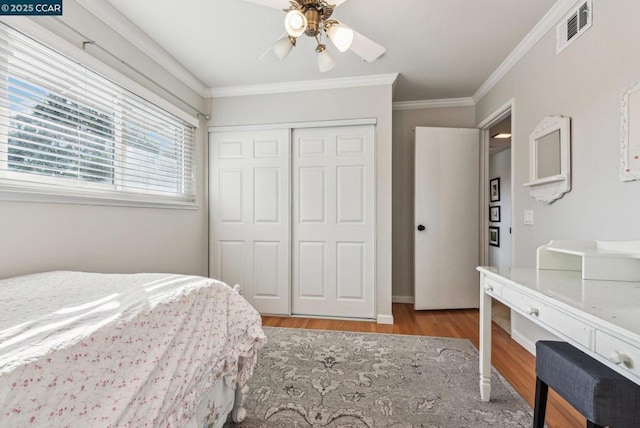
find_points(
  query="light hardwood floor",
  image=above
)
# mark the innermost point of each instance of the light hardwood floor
(509, 358)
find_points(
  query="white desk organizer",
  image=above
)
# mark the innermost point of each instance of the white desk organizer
(598, 260)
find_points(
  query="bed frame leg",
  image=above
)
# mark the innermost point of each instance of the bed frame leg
(239, 413)
(239, 289)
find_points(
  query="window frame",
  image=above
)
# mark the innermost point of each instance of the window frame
(48, 189)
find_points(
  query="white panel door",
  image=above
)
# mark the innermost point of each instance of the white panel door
(250, 216)
(446, 218)
(333, 224)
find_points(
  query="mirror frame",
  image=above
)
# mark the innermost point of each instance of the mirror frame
(551, 188)
(628, 126)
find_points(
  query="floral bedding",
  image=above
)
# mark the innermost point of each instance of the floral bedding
(140, 350)
(214, 407)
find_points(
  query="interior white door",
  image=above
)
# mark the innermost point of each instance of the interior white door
(333, 228)
(446, 218)
(249, 215)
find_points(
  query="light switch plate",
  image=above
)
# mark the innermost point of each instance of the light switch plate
(528, 217)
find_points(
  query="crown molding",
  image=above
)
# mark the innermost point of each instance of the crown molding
(303, 85)
(548, 21)
(441, 103)
(121, 25)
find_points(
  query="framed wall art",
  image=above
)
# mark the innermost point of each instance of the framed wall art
(494, 189)
(494, 236)
(494, 214)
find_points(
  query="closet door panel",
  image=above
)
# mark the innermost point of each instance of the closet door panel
(230, 191)
(350, 264)
(311, 270)
(266, 195)
(249, 215)
(265, 269)
(230, 262)
(350, 194)
(311, 194)
(333, 225)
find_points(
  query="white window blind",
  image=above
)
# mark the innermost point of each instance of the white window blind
(67, 130)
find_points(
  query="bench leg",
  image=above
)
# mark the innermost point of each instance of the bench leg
(540, 408)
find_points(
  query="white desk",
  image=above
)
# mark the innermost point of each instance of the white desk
(602, 318)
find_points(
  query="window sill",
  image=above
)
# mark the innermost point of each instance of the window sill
(136, 201)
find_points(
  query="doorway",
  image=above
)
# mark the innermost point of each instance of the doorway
(496, 250)
(500, 205)
(500, 209)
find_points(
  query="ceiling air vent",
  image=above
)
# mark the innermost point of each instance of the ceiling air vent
(573, 25)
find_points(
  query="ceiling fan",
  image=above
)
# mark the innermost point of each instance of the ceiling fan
(313, 19)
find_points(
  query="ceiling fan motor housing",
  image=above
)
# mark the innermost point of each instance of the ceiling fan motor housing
(316, 11)
(313, 22)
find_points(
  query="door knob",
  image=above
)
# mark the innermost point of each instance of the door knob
(421, 227)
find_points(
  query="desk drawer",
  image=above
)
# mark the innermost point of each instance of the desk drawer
(522, 302)
(619, 352)
(567, 325)
(550, 317)
(492, 287)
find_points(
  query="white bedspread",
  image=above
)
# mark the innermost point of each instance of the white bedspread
(80, 349)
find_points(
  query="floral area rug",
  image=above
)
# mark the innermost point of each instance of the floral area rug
(313, 378)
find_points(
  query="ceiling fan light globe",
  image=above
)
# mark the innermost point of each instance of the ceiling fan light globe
(295, 23)
(325, 61)
(341, 36)
(283, 47)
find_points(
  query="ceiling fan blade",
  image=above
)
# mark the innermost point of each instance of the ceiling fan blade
(366, 48)
(275, 4)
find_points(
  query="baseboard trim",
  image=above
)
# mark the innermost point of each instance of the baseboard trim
(385, 319)
(523, 341)
(403, 299)
(326, 317)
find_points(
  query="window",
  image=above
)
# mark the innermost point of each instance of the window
(67, 130)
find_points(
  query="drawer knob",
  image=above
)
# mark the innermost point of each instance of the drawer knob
(488, 287)
(533, 311)
(618, 358)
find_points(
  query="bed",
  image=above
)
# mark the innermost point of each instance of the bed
(136, 350)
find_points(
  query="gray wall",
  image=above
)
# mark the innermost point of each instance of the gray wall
(336, 104)
(584, 83)
(43, 236)
(404, 124)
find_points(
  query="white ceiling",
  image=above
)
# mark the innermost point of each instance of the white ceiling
(496, 145)
(441, 48)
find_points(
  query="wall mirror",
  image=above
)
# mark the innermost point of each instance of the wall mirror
(550, 159)
(630, 129)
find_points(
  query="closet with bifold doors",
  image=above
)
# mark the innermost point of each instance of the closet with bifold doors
(292, 217)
